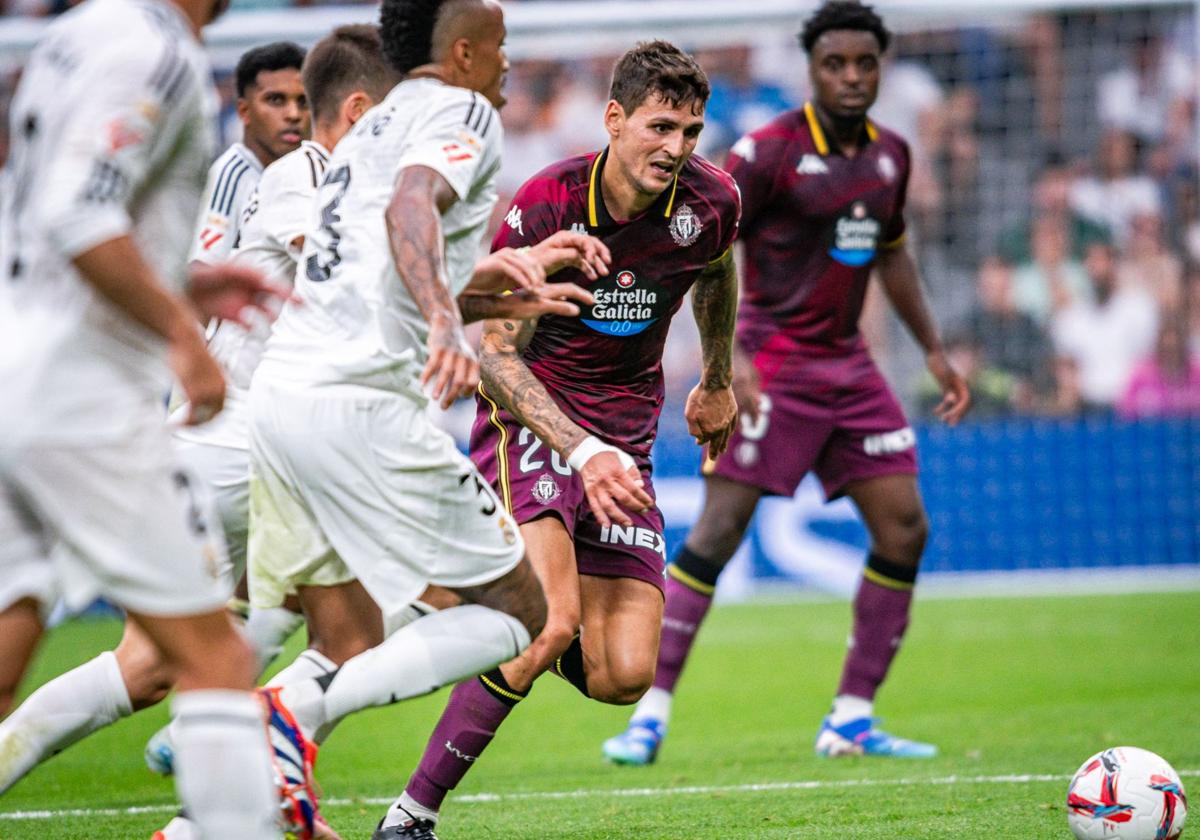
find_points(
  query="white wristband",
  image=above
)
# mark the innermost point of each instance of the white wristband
(591, 446)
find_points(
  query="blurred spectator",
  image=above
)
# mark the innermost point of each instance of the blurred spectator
(739, 102)
(993, 391)
(1143, 94)
(1010, 341)
(1108, 335)
(1149, 265)
(1051, 193)
(1051, 280)
(1116, 192)
(1167, 384)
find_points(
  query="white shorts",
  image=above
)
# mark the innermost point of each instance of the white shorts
(355, 476)
(225, 472)
(126, 520)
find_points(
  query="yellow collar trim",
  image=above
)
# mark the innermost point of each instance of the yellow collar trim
(594, 192)
(671, 200)
(818, 133)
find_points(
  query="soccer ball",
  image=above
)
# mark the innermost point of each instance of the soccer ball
(1126, 793)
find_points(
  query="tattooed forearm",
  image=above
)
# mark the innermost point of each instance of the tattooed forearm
(478, 307)
(714, 303)
(507, 379)
(414, 227)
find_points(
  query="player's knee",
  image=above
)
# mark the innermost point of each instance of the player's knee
(623, 686)
(553, 641)
(906, 535)
(148, 675)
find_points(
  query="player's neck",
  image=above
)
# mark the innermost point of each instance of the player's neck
(621, 197)
(327, 135)
(847, 132)
(259, 150)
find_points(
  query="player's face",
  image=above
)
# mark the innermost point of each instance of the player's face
(489, 64)
(275, 113)
(844, 68)
(653, 143)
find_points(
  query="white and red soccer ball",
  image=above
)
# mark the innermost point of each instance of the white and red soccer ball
(1126, 793)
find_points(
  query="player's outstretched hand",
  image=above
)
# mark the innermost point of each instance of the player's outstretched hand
(711, 417)
(566, 249)
(452, 366)
(614, 485)
(230, 291)
(551, 299)
(199, 375)
(508, 268)
(956, 396)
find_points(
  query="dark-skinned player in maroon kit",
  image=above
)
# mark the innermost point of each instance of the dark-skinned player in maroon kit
(569, 407)
(823, 190)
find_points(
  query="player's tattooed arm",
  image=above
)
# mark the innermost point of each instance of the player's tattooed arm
(509, 381)
(711, 409)
(414, 226)
(714, 304)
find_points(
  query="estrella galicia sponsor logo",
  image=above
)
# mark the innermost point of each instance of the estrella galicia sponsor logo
(685, 226)
(855, 237)
(634, 535)
(624, 305)
(888, 443)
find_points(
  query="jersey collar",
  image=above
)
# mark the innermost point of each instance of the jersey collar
(818, 133)
(598, 215)
(316, 147)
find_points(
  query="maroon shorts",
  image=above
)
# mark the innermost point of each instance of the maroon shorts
(836, 417)
(534, 481)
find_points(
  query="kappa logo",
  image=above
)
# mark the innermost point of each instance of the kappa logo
(545, 489)
(513, 219)
(812, 165)
(745, 149)
(626, 279)
(578, 227)
(685, 226)
(636, 536)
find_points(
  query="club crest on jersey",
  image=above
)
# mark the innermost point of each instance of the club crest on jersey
(624, 304)
(685, 226)
(855, 237)
(812, 165)
(545, 489)
(887, 168)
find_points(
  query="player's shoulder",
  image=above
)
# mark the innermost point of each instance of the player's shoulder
(561, 182)
(890, 139)
(457, 105)
(772, 137)
(299, 168)
(234, 173)
(716, 186)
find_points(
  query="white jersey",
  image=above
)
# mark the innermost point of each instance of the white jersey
(277, 216)
(111, 132)
(357, 323)
(231, 181)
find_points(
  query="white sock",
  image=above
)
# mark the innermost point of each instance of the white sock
(406, 616)
(222, 766)
(268, 630)
(655, 703)
(847, 707)
(309, 665)
(65, 710)
(436, 650)
(406, 807)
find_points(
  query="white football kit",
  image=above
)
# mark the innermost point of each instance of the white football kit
(232, 179)
(111, 136)
(276, 216)
(346, 463)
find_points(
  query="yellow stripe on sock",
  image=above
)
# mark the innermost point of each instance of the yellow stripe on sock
(887, 582)
(689, 581)
(503, 692)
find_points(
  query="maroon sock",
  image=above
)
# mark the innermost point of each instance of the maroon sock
(476, 709)
(688, 600)
(881, 610)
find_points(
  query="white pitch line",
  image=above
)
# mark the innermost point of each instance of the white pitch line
(689, 790)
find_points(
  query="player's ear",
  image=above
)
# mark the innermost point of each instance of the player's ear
(355, 105)
(614, 118)
(243, 107)
(462, 53)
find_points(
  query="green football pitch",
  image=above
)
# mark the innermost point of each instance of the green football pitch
(1017, 692)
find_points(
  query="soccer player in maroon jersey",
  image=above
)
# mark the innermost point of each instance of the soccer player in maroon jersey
(823, 190)
(569, 407)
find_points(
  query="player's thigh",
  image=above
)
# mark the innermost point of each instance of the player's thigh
(20, 629)
(133, 523)
(147, 674)
(343, 620)
(225, 472)
(622, 618)
(726, 513)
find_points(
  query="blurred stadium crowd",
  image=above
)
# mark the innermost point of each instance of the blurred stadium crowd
(1054, 204)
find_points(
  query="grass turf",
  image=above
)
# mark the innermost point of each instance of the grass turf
(1004, 686)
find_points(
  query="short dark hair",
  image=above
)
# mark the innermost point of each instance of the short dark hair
(658, 67)
(349, 58)
(282, 55)
(407, 29)
(844, 14)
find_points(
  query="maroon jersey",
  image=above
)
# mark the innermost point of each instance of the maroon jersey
(604, 368)
(813, 221)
